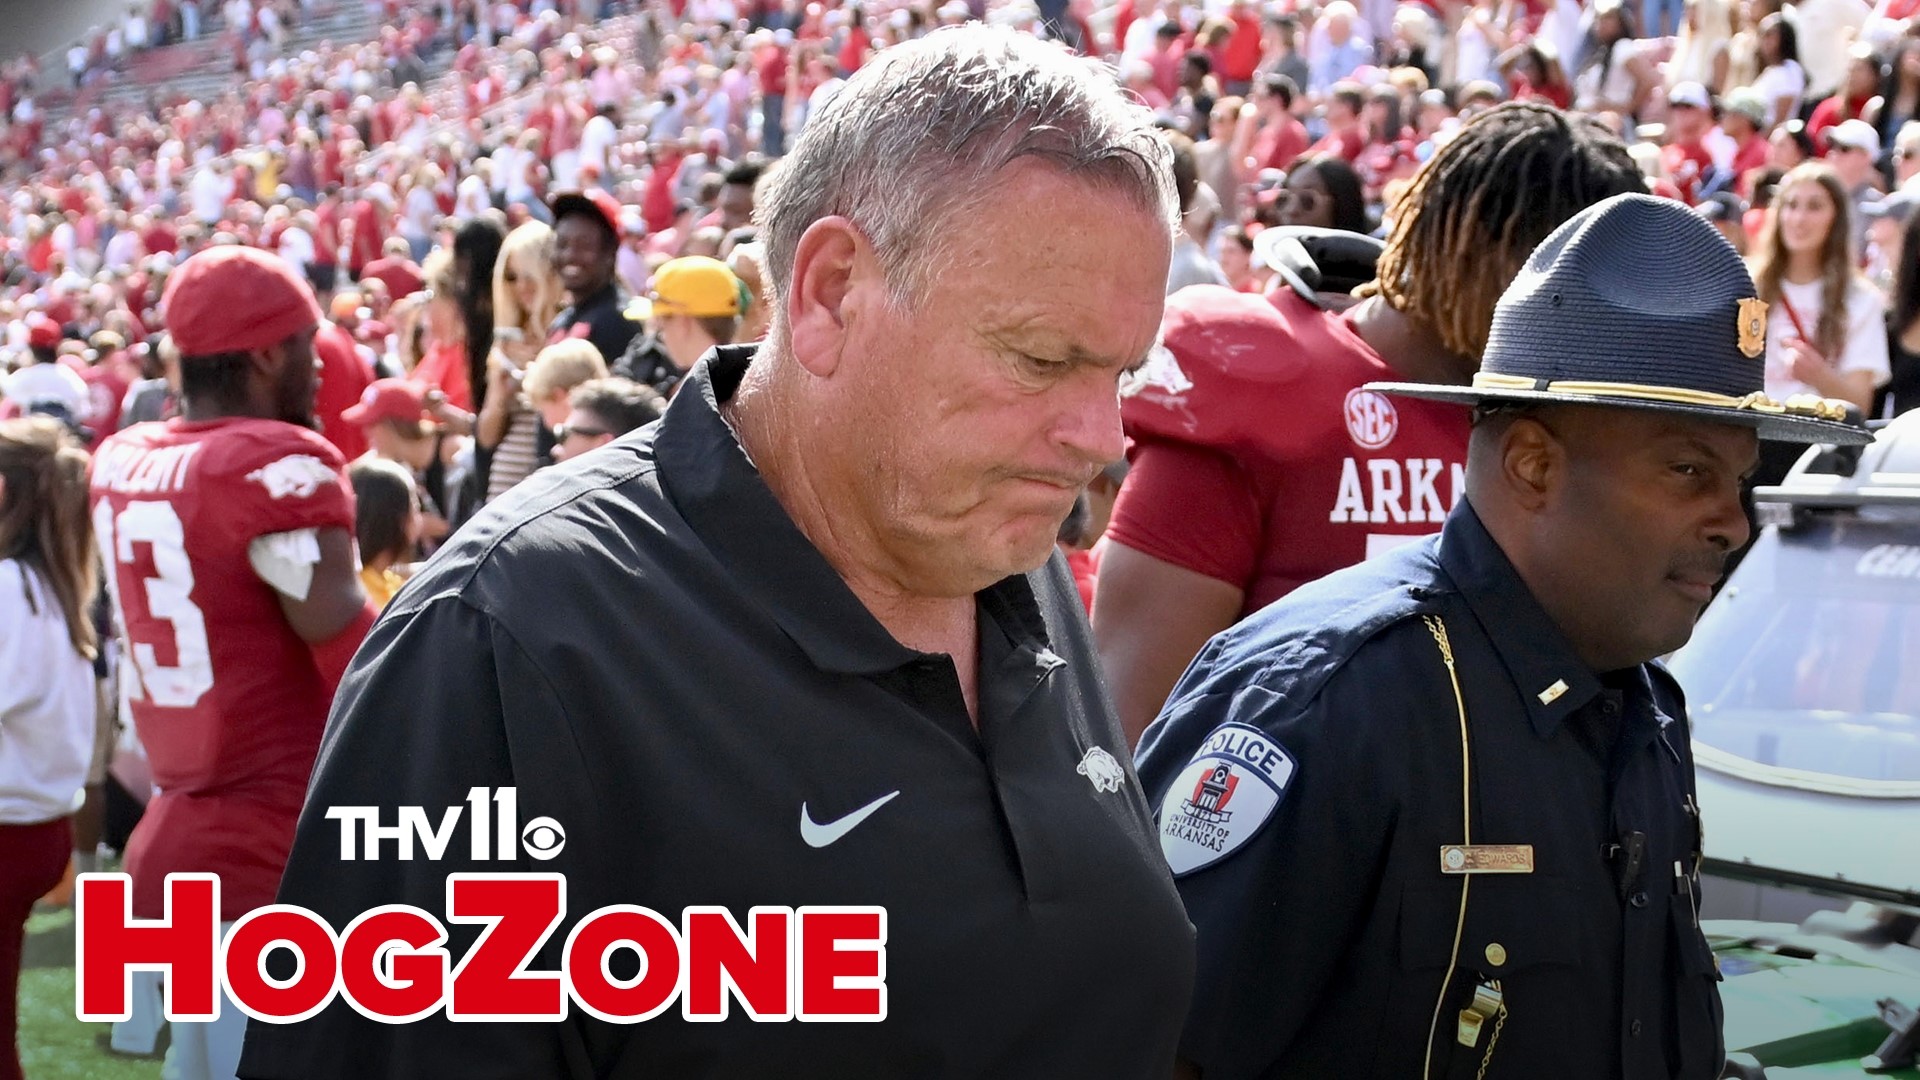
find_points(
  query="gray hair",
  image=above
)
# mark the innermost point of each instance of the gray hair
(918, 136)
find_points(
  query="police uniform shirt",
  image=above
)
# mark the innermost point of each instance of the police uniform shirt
(602, 319)
(644, 645)
(1307, 772)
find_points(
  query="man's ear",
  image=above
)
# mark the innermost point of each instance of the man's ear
(265, 361)
(1532, 462)
(832, 257)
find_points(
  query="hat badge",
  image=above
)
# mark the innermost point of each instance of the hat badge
(1753, 327)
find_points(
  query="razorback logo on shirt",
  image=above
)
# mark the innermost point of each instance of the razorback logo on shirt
(1226, 794)
(298, 475)
(1103, 769)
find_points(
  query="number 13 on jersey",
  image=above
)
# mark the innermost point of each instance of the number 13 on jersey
(165, 596)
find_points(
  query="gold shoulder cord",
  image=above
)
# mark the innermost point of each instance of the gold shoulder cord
(1494, 1006)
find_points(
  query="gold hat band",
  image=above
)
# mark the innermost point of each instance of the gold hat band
(1808, 405)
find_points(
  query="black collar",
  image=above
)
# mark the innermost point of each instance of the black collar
(608, 294)
(709, 478)
(1552, 680)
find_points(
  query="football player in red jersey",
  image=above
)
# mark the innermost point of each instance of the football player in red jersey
(228, 537)
(1261, 465)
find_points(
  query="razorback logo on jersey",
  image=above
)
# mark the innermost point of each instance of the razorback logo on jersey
(298, 475)
(1161, 373)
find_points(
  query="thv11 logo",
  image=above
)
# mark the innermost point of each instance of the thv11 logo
(494, 832)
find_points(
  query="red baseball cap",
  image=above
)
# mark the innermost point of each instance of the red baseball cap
(596, 203)
(389, 399)
(235, 299)
(42, 331)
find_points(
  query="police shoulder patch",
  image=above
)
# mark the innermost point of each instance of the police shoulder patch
(1226, 794)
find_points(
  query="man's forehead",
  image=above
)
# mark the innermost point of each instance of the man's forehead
(1658, 429)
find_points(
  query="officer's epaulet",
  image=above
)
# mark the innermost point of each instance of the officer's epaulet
(1293, 648)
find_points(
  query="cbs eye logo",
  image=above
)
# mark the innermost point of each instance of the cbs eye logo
(543, 838)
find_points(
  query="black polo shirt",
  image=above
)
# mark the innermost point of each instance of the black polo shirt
(600, 318)
(1307, 773)
(644, 644)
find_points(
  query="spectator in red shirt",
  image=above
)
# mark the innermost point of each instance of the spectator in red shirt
(324, 270)
(1684, 161)
(1854, 101)
(443, 363)
(396, 269)
(1165, 59)
(344, 375)
(1346, 133)
(770, 65)
(1281, 136)
(107, 379)
(1532, 75)
(1243, 49)
(369, 228)
(1743, 114)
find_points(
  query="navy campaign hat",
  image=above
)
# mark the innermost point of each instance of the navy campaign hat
(1637, 302)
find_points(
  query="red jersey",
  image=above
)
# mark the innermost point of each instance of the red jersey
(1243, 48)
(107, 383)
(445, 368)
(1831, 112)
(1279, 143)
(344, 376)
(225, 696)
(1345, 144)
(1685, 163)
(369, 232)
(1752, 155)
(1258, 459)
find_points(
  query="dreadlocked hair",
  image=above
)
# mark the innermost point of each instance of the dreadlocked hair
(1480, 205)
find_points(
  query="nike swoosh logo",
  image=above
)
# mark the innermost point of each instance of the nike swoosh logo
(820, 835)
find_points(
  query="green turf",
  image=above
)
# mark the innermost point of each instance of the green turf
(54, 1045)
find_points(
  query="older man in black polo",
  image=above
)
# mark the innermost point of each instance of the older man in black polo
(805, 641)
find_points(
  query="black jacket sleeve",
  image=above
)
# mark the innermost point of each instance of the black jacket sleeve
(419, 720)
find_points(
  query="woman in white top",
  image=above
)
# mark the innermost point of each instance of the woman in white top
(47, 705)
(1616, 77)
(1700, 55)
(1781, 82)
(419, 211)
(1826, 324)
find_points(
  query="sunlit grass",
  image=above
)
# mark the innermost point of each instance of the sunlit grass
(54, 1045)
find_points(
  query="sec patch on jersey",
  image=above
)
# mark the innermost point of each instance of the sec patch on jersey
(1225, 795)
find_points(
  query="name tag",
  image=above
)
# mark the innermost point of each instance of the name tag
(1486, 859)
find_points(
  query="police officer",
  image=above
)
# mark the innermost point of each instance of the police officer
(1434, 815)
